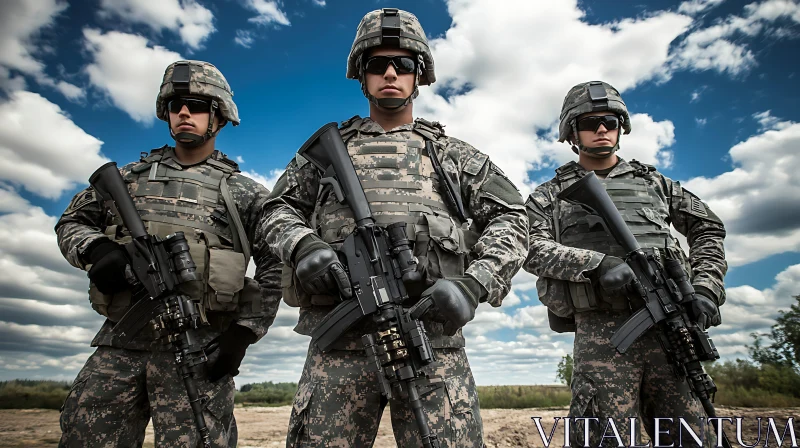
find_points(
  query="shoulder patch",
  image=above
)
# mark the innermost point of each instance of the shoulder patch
(475, 163)
(81, 200)
(697, 207)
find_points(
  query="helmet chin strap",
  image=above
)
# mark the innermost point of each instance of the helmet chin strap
(195, 140)
(391, 103)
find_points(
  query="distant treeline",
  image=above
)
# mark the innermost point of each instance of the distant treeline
(31, 394)
(770, 378)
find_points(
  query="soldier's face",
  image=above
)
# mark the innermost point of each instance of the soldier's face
(602, 136)
(390, 84)
(184, 120)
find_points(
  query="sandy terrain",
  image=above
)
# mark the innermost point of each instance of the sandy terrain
(266, 427)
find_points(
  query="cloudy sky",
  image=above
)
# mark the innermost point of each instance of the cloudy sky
(712, 85)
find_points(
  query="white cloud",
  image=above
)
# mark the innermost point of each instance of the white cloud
(244, 38)
(494, 65)
(700, 122)
(717, 47)
(128, 70)
(759, 199)
(192, 21)
(269, 11)
(268, 180)
(42, 149)
(767, 122)
(693, 7)
(697, 93)
(750, 310)
(20, 23)
(319, 2)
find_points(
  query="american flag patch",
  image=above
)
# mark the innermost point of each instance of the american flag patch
(697, 207)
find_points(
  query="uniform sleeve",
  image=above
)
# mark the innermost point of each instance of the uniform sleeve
(496, 208)
(250, 198)
(80, 225)
(284, 218)
(546, 257)
(705, 233)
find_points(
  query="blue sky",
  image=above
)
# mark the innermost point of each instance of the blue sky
(711, 85)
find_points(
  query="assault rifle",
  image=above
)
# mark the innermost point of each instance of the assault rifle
(157, 267)
(666, 293)
(377, 260)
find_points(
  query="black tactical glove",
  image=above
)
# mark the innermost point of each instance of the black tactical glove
(233, 344)
(108, 260)
(318, 268)
(455, 299)
(703, 310)
(613, 273)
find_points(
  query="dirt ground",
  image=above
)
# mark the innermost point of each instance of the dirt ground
(266, 427)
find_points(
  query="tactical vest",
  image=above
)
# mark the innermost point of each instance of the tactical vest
(642, 208)
(401, 185)
(196, 201)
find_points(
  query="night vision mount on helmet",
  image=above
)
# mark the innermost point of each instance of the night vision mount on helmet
(593, 96)
(197, 79)
(391, 27)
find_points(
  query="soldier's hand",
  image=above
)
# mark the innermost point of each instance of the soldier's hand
(108, 260)
(704, 311)
(455, 299)
(318, 268)
(613, 273)
(233, 344)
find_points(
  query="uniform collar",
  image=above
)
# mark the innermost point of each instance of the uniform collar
(368, 126)
(170, 160)
(622, 167)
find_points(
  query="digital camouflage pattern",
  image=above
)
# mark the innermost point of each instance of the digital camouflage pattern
(412, 38)
(687, 213)
(397, 175)
(579, 102)
(205, 80)
(138, 368)
(339, 403)
(109, 405)
(497, 213)
(639, 383)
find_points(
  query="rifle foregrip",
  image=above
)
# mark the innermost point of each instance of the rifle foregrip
(108, 183)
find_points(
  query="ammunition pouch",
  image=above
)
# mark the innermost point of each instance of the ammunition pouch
(221, 285)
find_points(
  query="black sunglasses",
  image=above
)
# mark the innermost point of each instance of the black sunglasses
(403, 65)
(593, 123)
(194, 105)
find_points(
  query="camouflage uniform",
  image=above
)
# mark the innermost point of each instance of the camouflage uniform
(566, 246)
(338, 402)
(122, 386)
(332, 382)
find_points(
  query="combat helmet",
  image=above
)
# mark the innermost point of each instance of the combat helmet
(394, 28)
(202, 79)
(588, 97)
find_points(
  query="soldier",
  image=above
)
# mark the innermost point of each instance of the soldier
(571, 253)
(195, 189)
(338, 402)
